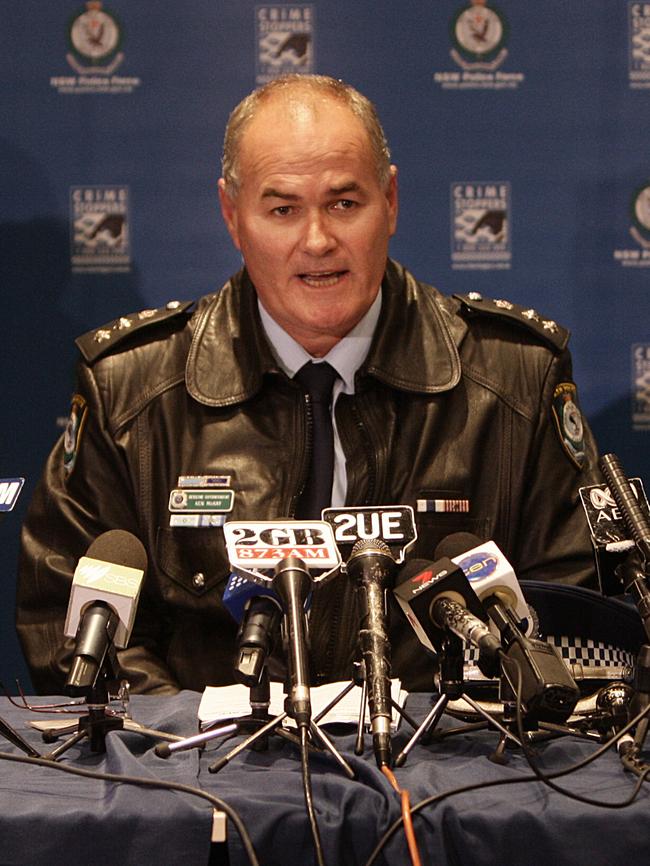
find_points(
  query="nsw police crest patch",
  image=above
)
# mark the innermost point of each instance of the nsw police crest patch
(568, 420)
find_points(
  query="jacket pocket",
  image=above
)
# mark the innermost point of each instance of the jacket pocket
(194, 559)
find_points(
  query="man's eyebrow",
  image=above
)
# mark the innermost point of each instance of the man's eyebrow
(272, 192)
(352, 186)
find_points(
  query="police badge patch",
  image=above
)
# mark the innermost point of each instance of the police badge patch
(568, 420)
(73, 431)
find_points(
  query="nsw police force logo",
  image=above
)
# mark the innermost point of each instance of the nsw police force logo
(478, 34)
(285, 40)
(99, 217)
(639, 212)
(94, 36)
(480, 225)
(640, 229)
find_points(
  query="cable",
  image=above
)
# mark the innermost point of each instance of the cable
(409, 830)
(309, 802)
(531, 758)
(495, 783)
(147, 783)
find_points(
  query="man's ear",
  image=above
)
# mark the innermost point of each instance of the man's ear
(229, 212)
(392, 196)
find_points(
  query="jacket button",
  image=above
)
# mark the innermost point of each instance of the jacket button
(199, 580)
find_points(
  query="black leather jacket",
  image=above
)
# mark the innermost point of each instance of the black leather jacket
(454, 401)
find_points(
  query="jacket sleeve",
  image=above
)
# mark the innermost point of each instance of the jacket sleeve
(553, 540)
(86, 489)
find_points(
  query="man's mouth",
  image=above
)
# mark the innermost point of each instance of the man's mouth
(322, 279)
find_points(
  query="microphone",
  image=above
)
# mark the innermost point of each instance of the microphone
(292, 582)
(633, 571)
(548, 691)
(488, 571)
(621, 489)
(372, 566)
(103, 601)
(258, 610)
(437, 598)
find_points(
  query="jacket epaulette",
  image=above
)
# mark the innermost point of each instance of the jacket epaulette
(547, 330)
(100, 341)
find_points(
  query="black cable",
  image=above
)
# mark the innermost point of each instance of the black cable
(147, 783)
(495, 783)
(531, 758)
(309, 800)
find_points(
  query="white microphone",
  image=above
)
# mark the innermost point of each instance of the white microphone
(103, 601)
(489, 573)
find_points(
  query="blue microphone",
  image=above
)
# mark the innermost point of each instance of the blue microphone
(258, 610)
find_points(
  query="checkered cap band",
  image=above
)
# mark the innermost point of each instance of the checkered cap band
(574, 651)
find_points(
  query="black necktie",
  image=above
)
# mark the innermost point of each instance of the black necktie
(318, 380)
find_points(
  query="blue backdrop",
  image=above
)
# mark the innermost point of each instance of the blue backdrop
(520, 131)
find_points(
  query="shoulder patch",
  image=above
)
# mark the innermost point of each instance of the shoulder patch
(568, 422)
(100, 341)
(547, 330)
(73, 431)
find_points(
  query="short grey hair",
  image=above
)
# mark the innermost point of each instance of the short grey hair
(359, 104)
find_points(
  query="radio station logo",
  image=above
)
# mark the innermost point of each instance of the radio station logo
(479, 34)
(480, 225)
(639, 211)
(639, 44)
(285, 41)
(99, 225)
(641, 386)
(94, 36)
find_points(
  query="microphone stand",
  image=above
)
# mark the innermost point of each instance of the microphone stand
(97, 722)
(451, 688)
(634, 574)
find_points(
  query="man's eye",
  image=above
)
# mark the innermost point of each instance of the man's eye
(282, 210)
(345, 204)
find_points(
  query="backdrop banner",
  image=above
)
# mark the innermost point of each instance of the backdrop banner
(520, 132)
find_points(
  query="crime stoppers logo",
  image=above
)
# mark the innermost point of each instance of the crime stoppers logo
(641, 386)
(99, 220)
(285, 41)
(94, 37)
(639, 44)
(639, 210)
(480, 225)
(478, 35)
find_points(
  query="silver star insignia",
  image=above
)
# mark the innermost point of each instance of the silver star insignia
(123, 323)
(550, 326)
(146, 314)
(475, 296)
(531, 315)
(504, 305)
(102, 335)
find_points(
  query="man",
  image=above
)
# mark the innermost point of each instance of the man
(460, 407)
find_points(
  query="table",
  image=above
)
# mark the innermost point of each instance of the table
(50, 817)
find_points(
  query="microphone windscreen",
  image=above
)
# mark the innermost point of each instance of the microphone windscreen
(120, 548)
(456, 544)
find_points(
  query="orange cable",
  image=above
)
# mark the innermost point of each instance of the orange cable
(407, 818)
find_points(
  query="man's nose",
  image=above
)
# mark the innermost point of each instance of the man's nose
(318, 238)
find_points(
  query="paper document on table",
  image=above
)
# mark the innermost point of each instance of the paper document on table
(228, 702)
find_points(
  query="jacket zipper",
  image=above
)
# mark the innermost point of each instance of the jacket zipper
(306, 456)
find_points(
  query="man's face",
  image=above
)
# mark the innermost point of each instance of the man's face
(311, 218)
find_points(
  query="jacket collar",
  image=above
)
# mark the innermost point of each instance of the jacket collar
(414, 347)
